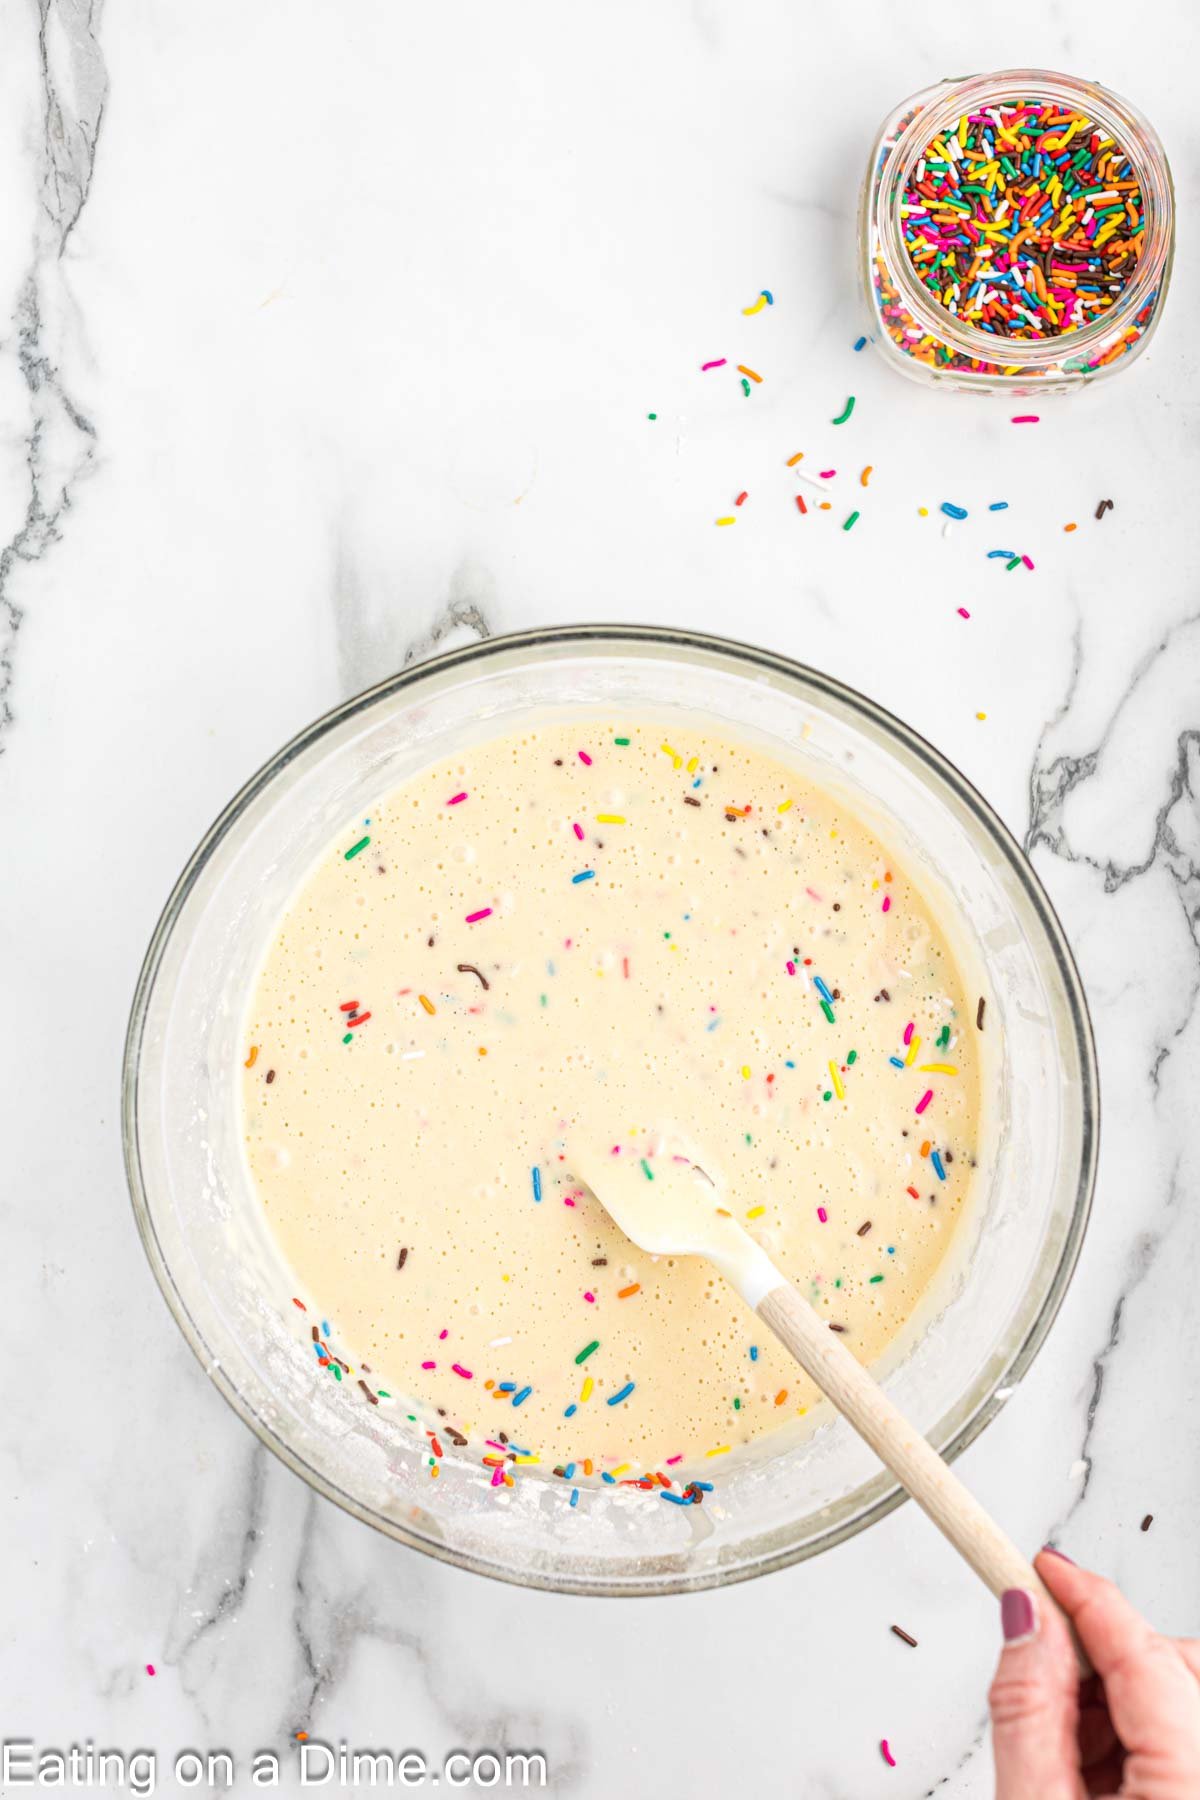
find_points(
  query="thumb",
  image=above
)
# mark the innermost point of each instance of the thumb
(1034, 1703)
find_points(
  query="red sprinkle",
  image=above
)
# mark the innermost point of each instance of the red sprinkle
(299, 1303)
(348, 1006)
(913, 1192)
(742, 496)
(800, 503)
(353, 1024)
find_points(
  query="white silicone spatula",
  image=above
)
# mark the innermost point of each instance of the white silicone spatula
(670, 1208)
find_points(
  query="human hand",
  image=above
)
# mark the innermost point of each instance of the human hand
(1131, 1730)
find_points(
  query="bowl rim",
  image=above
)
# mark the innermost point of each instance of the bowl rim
(611, 637)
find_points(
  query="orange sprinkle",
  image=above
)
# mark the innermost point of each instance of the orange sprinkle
(793, 460)
(1070, 527)
(781, 1396)
(252, 1058)
(427, 1003)
(743, 370)
(826, 506)
(866, 474)
(482, 1050)
(434, 1471)
(301, 1737)
(587, 1465)
(925, 1148)
(887, 874)
(624, 1293)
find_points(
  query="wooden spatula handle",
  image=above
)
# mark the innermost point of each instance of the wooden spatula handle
(913, 1461)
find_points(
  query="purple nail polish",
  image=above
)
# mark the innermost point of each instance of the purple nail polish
(1018, 1615)
(1049, 1550)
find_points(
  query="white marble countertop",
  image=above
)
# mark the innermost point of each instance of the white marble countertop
(333, 332)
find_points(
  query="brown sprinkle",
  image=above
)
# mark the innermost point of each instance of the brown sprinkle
(837, 1327)
(979, 1013)
(1104, 506)
(690, 800)
(599, 1262)
(370, 1396)
(904, 1637)
(270, 1076)
(470, 969)
(1148, 1521)
(864, 1228)
(316, 1335)
(402, 1258)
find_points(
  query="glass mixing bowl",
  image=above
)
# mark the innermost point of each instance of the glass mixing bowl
(203, 1227)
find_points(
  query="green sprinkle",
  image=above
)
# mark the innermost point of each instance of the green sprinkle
(383, 1393)
(943, 1037)
(355, 848)
(853, 1057)
(849, 407)
(1013, 563)
(587, 1350)
(652, 415)
(853, 516)
(745, 387)
(647, 1171)
(827, 1096)
(543, 999)
(838, 1282)
(737, 1405)
(621, 741)
(348, 1037)
(337, 1373)
(828, 1011)
(876, 1278)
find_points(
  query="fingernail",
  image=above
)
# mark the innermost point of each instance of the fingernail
(1049, 1550)
(1018, 1616)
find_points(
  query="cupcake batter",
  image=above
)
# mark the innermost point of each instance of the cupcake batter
(590, 927)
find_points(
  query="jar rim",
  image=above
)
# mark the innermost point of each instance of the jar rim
(1121, 119)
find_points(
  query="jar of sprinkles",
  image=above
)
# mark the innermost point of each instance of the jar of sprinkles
(1017, 233)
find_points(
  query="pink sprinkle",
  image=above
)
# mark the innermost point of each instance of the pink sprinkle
(492, 1445)
(1026, 560)
(444, 1334)
(459, 1370)
(674, 1459)
(590, 1298)
(719, 364)
(1027, 419)
(498, 1475)
(485, 912)
(923, 1102)
(625, 967)
(812, 893)
(578, 830)
(585, 758)
(822, 1215)
(567, 1200)
(888, 1758)
(791, 967)
(616, 1150)
(429, 1365)
(455, 799)
(908, 1031)
(828, 474)
(963, 613)
(887, 903)
(150, 1669)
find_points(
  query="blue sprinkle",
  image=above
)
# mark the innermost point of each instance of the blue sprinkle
(324, 1327)
(1007, 555)
(822, 989)
(699, 781)
(769, 298)
(706, 1487)
(587, 875)
(953, 512)
(571, 1411)
(520, 1399)
(621, 1394)
(998, 506)
(605, 1476)
(896, 1062)
(568, 1471)
(550, 968)
(506, 1387)
(319, 1350)
(712, 1024)
(675, 1499)
(574, 1496)
(754, 1353)
(938, 1170)
(789, 1065)
(517, 1450)
(860, 343)
(537, 1184)
(891, 1249)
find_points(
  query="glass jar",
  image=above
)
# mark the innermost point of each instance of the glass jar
(923, 335)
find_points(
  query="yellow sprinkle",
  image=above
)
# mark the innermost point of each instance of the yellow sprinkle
(922, 512)
(673, 754)
(506, 1278)
(913, 1047)
(937, 1069)
(745, 1071)
(610, 818)
(981, 715)
(434, 1471)
(427, 1003)
(749, 311)
(527, 1459)
(623, 1469)
(729, 521)
(836, 1079)
(783, 806)
(585, 1393)
(756, 1212)
(693, 763)
(721, 1450)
